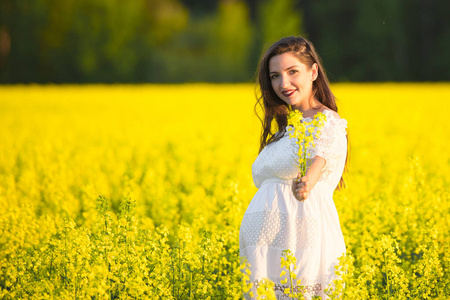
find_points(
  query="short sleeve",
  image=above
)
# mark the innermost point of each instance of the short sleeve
(332, 143)
(256, 182)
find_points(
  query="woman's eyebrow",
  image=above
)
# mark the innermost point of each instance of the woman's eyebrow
(285, 69)
(290, 67)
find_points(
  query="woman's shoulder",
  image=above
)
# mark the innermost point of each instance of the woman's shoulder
(334, 122)
(330, 113)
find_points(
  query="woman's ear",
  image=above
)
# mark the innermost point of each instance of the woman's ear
(315, 71)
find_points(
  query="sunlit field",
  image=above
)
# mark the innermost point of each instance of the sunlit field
(137, 192)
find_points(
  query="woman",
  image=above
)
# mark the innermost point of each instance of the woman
(289, 212)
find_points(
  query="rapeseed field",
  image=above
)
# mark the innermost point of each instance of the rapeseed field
(137, 192)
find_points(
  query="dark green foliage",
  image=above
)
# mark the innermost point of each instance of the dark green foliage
(218, 41)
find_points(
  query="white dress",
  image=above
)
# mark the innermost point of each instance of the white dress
(275, 220)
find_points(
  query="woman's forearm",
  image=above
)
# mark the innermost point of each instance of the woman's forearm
(302, 186)
(315, 170)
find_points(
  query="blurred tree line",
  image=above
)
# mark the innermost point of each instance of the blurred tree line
(218, 41)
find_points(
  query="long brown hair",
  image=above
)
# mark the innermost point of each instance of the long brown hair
(276, 109)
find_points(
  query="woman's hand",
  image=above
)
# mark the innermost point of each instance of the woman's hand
(301, 187)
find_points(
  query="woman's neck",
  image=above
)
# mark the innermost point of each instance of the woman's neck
(309, 108)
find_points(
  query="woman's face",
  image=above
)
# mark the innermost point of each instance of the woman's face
(292, 80)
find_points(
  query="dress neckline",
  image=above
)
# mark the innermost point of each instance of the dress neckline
(328, 112)
(325, 111)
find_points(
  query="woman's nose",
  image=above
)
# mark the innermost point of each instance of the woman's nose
(285, 81)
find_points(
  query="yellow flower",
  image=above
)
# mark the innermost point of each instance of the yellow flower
(304, 133)
(294, 117)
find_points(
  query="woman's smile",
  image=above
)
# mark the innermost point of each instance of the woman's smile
(288, 93)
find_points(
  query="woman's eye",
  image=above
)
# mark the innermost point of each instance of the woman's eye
(292, 72)
(273, 76)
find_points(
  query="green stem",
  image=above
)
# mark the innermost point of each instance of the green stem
(304, 161)
(191, 295)
(387, 277)
(292, 283)
(65, 255)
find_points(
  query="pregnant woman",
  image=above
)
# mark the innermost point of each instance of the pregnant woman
(290, 211)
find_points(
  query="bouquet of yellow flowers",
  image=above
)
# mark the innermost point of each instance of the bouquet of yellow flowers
(304, 132)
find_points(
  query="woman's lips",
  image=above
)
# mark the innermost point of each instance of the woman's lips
(288, 93)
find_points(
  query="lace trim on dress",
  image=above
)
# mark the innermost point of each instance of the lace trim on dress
(308, 291)
(280, 230)
(325, 145)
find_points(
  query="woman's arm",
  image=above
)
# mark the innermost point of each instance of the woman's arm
(301, 187)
